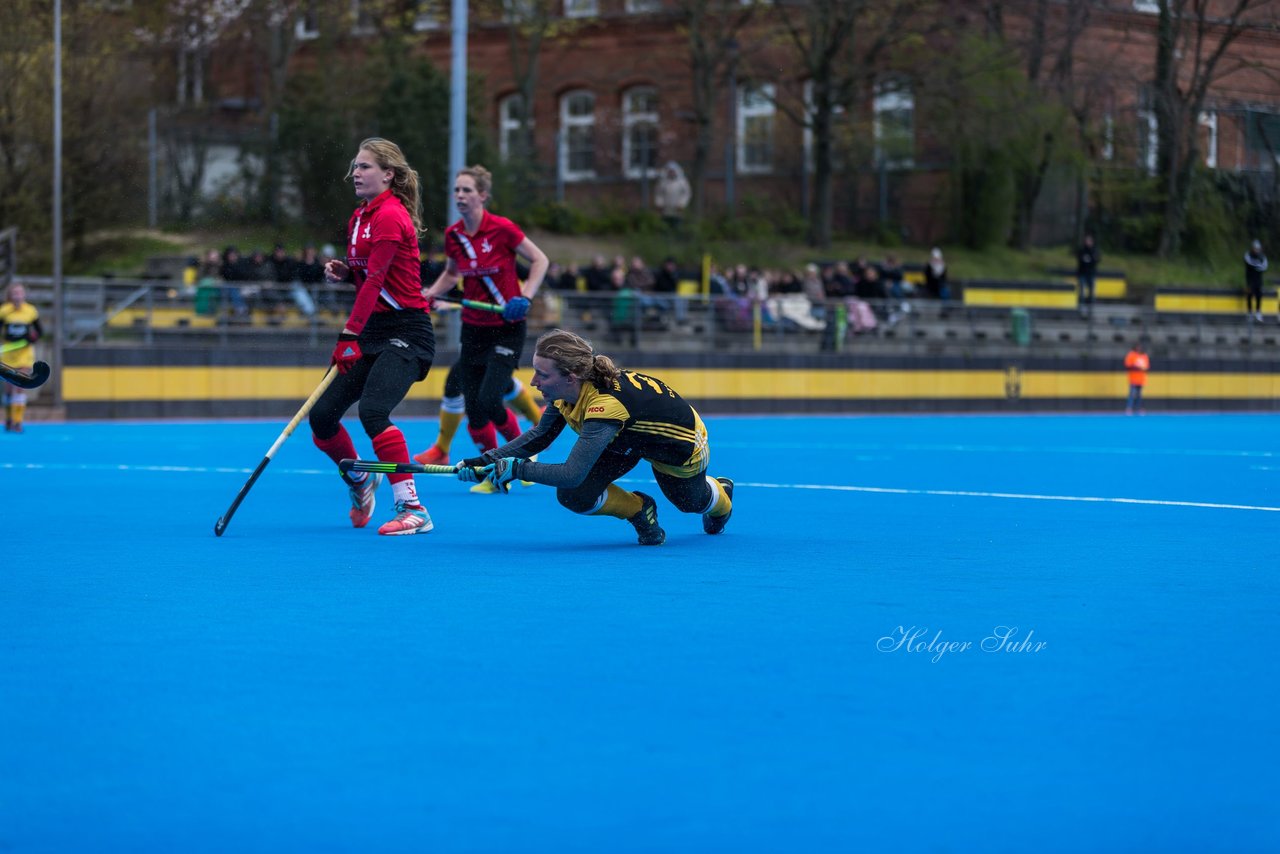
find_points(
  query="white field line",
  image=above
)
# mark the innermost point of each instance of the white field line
(825, 487)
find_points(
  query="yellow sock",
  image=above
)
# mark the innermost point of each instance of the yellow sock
(16, 413)
(449, 422)
(723, 505)
(619, 503)
(524, 403)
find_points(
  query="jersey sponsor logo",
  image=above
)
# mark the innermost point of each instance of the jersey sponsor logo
(485, 246)
(368, 231)
(504, 351)
(396, 342)
(595, 409)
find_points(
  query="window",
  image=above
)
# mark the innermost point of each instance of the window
(755, 128)
(580, 8)
(1209, 121)
(895, 124)
(577, 136)
(307, 26)
(424, 16)
(362, 23)
(640, 131)
(510, 140)
(1148, 140)
(517, 11)
(640, 7)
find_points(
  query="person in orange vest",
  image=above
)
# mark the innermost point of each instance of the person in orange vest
(1137, 363)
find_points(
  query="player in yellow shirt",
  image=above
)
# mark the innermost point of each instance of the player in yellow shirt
(621, 418)
(19, 331)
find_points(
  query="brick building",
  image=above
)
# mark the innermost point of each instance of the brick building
(614, 100)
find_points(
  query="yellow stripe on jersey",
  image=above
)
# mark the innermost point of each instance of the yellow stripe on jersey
(659, 428)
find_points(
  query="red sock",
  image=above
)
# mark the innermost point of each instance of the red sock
(486, 437)
(390, 447)
(339, 446)
(511, 429)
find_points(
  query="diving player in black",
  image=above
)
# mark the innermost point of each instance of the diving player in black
(621, 417)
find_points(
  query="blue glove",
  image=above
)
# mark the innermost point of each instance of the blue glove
(517, 308)
(501, 473)
(470, 470)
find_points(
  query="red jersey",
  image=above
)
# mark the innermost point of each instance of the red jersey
(382, 252)
(486, 261)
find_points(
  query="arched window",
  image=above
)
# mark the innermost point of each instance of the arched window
(755, 127)
(640, 131)
(511, 142)
(578, 135)
(895, 123)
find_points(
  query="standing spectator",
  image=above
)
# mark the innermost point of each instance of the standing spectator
(234, 271)
(284, 275)
(1137, 363)
(387, 343)
(666, 283)
(621, 418)
(671, 196)
(1255, 264)
(482, 250)
(21, 330)
(935, 276)
(310, 276)
(1087, 258)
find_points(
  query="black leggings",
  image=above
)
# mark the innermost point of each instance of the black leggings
(378, 384)
(688, 494)
(488, 358)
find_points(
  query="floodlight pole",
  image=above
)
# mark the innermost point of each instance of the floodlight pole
(59, 315)
(457, 105)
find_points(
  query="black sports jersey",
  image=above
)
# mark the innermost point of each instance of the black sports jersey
(656, 422)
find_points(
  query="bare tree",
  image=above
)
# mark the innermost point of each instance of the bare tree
(1193, 42)
(1048, 49)
(841, 44)
(713, 30)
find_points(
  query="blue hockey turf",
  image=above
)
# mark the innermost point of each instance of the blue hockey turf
(971, 633)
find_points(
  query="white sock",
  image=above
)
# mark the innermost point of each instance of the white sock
(405, 491)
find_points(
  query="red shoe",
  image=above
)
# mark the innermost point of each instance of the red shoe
(432, 456)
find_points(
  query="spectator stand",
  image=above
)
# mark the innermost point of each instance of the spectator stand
(1107, 284)
(1217, 301)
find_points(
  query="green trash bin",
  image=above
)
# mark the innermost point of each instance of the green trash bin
(1020, 326)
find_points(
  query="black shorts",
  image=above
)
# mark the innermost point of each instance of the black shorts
(408, 333)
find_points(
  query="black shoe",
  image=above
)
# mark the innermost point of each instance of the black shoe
(715, 524)
(646, 522)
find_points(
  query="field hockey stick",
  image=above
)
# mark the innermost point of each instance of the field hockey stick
(39, 374)
(470, 303)
(381, 467)
(225, 519)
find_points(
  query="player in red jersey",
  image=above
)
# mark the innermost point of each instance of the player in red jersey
(482, 249)
(387, 343)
